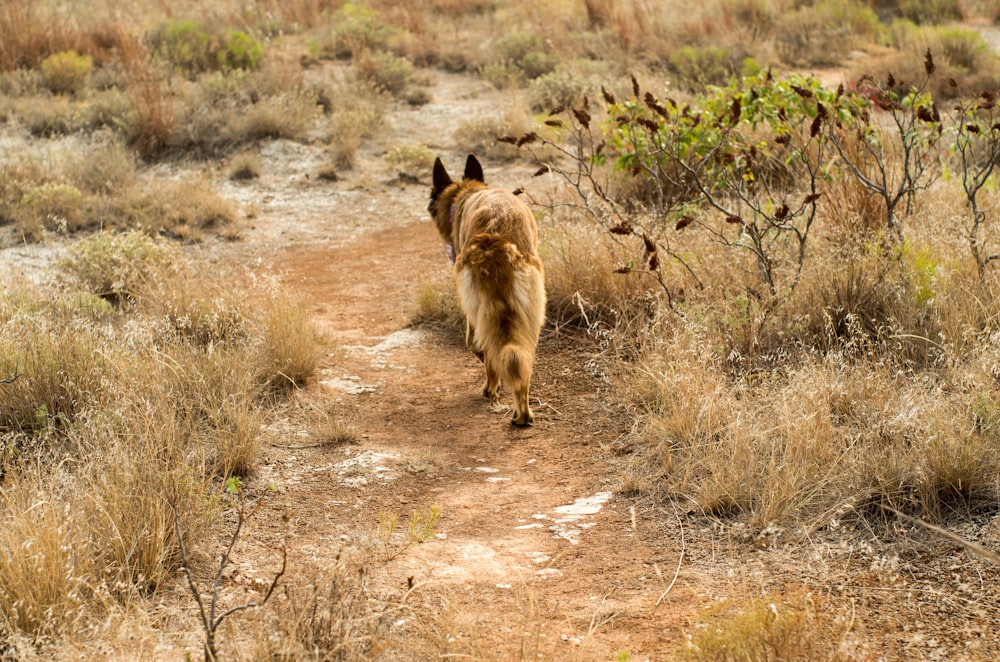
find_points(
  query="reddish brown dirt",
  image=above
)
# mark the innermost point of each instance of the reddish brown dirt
(500, 558)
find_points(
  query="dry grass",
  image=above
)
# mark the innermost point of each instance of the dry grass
(330, 617)
(795, 626)
(120, 417)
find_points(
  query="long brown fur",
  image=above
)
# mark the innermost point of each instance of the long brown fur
(500, 279)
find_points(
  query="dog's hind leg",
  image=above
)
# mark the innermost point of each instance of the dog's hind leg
(491, 389)
(470, 341)
(523, 416)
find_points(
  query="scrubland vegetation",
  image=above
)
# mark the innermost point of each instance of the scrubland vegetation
(797, 284)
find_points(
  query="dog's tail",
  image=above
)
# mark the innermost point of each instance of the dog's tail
(502, 291)
(514, 365)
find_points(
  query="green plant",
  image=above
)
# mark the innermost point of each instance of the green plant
(735, 149)
(420, 529)
(524, 51)
(193, 49)
(120, 267)
(239, 51)
(930, 12)
(67, 71)
(385, 71)
(554, 89)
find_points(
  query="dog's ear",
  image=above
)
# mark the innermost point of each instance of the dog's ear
(441, 178)
(473, 170)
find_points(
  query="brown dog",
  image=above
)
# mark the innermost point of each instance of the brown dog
(500, 279)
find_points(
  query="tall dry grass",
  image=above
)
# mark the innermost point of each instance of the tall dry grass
(139, 387)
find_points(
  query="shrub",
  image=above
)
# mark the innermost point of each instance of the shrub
(775, 627)
(696, 67)
(193, 49)
(240, 51)
(385, 71)
(558, 88)
(62, 373)
(57, 207)
(414, 160)
(292, 348)
(825, 32)
(358, 29)
(244, 166)
(524, 50)
(930, 12)
(67, 71)
(121, 268)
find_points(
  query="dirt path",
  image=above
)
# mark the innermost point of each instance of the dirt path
(533, 554)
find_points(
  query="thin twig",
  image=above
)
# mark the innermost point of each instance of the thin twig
(680, 560)
(17, 373)
(978, 550)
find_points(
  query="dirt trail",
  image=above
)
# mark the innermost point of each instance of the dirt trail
(533, 549)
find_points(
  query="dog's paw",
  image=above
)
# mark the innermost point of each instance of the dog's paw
(523, 420)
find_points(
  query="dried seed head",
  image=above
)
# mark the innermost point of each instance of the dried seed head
(929, 63)
(816, 125)
(683, 222)
(527, 138)
(608, 97)
(803, 92)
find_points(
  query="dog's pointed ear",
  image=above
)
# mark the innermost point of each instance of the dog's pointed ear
(473, 170)
(441, 178)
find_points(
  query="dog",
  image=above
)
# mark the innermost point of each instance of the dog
(491, 238)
